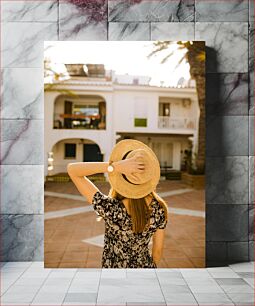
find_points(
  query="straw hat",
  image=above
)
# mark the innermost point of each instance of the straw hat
(146, 181)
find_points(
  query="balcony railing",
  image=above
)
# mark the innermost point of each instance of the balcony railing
(78, 121)
(168, 122)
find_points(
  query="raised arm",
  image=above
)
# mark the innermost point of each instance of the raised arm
(79, 171)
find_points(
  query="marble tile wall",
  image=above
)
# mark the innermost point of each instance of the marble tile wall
(228, 29)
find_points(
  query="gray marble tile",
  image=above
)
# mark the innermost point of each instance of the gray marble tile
(22, 189)
(172, 31)
(251, 180)
(22, 142)
(226, 94)
(229, 42)
(78, 23)
(246, 274)
(151, 10)
(24, 43)
(238, 251)
(129, 31)
(251, 135)
(22, 235)
(251, 68)
(234, 10)
(29, 10)
(22, 93)
(251, 222)
(226, 135)
(81, 297)
(251, 10)
(230, 281)
(227, 180)
(227, 223)
(251, 250)
(216, 251)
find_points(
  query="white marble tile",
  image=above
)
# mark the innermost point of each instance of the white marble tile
(22, 93)
(243, 267)
(195, 272)
(22, 142)
(234, 10)
(172, 31)
(21, 297)
(128, 31)
(114, 295)
(204, 288)
(29, 10)
(218, 273)
(151, 10)
(213, 299)
(44, 298)
(179, 299)
(15, 180)
(58, 273)
(84, 285)
(24, 43)
(242, 299)
(230, 43)
(237, 288)
(76, 24)
(113, 273)
(142, 293)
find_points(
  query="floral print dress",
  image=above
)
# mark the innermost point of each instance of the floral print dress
(122, 247)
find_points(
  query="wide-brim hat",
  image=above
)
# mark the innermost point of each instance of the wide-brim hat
(146, 181)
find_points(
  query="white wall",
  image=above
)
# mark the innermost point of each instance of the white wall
(123, 104)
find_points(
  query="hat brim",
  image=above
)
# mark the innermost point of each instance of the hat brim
(117, 180)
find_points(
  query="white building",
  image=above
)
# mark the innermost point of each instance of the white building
(86, 114)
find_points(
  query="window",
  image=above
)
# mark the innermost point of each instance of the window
(70, 150)
(140, 122)
(164, 109)
(140, 112)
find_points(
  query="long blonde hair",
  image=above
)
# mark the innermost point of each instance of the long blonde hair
(139, 210)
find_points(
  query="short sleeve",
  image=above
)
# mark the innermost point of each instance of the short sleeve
(163, 219)
(105, 206)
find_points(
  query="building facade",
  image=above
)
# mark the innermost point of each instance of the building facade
(86, 115)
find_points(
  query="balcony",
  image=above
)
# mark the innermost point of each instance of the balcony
(79, 121)
(168, 122)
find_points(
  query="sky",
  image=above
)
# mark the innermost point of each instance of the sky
(121, 56)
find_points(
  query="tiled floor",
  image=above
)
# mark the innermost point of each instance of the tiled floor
(29, 283)
(74, 239)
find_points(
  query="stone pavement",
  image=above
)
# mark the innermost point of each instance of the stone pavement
(74, 239)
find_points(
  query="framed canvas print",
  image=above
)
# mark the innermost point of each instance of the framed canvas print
(124, 154)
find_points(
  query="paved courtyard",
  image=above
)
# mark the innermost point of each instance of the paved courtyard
(74, 238)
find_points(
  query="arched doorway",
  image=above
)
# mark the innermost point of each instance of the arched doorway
(71, 150)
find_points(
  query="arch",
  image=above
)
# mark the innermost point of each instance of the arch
(73, 149)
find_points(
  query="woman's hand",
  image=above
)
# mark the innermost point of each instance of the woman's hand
(130, 166)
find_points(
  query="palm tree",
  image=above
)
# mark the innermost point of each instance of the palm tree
(195, 56)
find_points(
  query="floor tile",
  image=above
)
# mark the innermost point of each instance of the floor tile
(213, 299)
(242, 299)
(230, 281)
(81, 297)
(180, 299)
(237, 288)
(243, 267)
